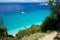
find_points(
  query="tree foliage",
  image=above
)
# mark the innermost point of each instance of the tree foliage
(48, 24)
(3, 31)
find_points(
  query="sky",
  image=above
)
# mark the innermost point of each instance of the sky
(23, 0)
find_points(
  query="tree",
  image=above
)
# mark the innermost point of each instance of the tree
(50, 2)
(3, 32)
(48, 24)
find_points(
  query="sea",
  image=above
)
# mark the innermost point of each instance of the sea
(18, 15)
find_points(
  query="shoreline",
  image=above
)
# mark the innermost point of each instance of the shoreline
(14, 32)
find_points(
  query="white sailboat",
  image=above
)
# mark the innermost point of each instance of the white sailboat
(22, 12)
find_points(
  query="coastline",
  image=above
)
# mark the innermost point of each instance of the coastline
(15, 31)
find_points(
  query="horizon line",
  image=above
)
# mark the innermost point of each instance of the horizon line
(21, 2)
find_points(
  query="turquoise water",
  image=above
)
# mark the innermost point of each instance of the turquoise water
(17, 21)
(14, 20)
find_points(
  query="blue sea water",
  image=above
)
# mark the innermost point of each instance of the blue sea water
(34, 13)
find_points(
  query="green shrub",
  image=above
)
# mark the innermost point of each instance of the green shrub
(34, 36)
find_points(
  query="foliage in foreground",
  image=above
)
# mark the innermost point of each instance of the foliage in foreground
(28, 31)
(34, 36)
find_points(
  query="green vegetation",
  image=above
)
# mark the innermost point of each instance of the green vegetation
(28, 31)
(50, 2)
(34, 36)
